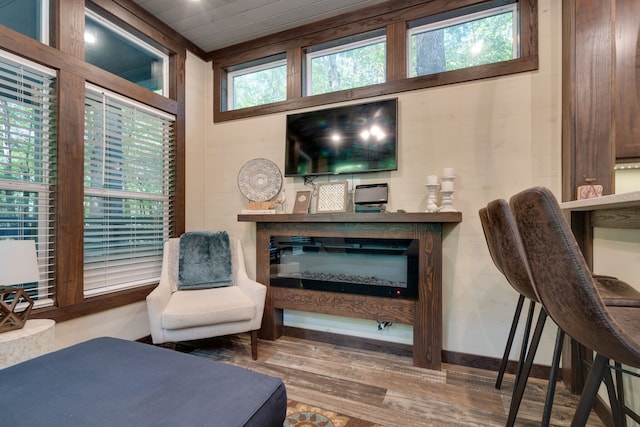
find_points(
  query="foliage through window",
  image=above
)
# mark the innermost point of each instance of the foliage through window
(465, 41)
(346, 64)
(381, 53)
(27, 137)
(257, 84)
(128, 181)
(115, 50)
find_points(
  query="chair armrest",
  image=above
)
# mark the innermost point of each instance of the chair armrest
(254, 290)
(158, 299)
(257, 292)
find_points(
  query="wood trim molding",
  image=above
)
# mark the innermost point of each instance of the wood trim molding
(137, 17)
(392, 16)
(69, 270)
(73, 72)
(405, 350)
(94, 304)
(363, 20)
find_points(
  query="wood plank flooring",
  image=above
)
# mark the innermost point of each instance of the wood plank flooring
(387, 389)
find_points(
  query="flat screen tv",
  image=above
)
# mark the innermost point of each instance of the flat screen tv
(343, 140)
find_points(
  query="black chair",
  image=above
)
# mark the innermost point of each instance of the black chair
(571, 296)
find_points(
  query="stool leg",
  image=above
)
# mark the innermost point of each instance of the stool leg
(518, 391)
(507, 348)
(553, 374)
(589, 391)
(525, 342)
(620, 389)
(614, 400)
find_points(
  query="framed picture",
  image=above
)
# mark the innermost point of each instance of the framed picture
(332, 197)
(303, 200)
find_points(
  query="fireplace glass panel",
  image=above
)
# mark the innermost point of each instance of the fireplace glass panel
(365, 266)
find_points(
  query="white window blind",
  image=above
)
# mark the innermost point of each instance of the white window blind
(128, 182)
(27, 163)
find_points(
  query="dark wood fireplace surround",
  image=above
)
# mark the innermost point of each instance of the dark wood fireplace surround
(423, 313)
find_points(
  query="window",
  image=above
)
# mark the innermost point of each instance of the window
(257, 84)
(29, 17)
(374, 53)
(128, 181)
(469, 40)
(113, 49)
(27, 137)
(346, 64)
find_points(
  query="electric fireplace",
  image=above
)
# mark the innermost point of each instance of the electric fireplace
(365, 266)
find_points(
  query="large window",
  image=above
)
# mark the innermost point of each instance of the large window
(346, 64)
(111, 48)
(29, 17)
(128, 182)
(464, 41)
(382, 51)
(27, 136)
(258, 83)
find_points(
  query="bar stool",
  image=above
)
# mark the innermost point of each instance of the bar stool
(525, 291)
(571, 297)
(505, 246)
(502, 236)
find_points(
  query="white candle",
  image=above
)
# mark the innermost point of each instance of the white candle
(446, 186)
(432, 180)
(447, 172)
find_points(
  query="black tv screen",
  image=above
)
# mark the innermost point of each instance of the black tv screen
(351, 139)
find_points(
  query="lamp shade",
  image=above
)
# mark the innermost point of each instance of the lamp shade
(18, 262)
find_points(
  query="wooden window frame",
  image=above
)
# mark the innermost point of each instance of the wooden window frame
(392, 16)
(67, 57)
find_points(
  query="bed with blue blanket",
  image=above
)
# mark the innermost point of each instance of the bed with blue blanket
(113, 382)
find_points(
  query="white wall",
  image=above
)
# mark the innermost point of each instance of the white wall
(500, 135)
(129, 322)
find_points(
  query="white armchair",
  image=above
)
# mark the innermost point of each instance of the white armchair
(183, 315)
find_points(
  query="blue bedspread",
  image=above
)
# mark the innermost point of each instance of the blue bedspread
(113, 382)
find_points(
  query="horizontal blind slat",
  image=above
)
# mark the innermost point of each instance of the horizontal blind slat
(27, 141)
(128, 180)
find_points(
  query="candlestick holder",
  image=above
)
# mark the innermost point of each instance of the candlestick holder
(432, 197)
(447, 201)
(446, 190)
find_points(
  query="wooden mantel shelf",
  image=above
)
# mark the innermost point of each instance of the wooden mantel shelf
(389, 217)
(424, 313)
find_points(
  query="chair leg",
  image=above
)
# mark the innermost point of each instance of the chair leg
(590, 390)
(553, 374)
(518, 391)
(620, 388)
(507, 348)
(525, 342)
(617, 408)
(254, 345)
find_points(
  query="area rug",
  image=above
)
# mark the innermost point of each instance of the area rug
(303, 415)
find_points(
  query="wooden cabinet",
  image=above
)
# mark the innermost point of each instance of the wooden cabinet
(600, 90)
(627, 80)
(424, 313)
